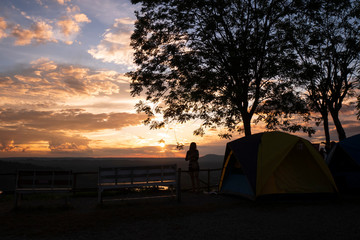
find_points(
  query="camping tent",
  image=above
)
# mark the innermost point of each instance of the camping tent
(344, 163)
(274, 163)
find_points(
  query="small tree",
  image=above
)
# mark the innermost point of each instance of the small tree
(326, 37)
(215, 60)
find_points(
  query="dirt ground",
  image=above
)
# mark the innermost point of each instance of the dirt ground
(198, 216)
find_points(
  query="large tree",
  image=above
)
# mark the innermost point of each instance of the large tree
(326, 37)
(215, 60)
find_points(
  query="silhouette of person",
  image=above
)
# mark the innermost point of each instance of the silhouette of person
(192, 155)
(323, 153)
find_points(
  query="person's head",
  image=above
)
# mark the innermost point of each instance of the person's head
(192, 146)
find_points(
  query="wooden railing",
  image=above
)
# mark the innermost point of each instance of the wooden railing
(205, 181)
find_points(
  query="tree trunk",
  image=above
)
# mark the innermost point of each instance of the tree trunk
(326, 130)
(340, 130)
(247, 124)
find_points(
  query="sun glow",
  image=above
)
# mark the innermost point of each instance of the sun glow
(162, 143)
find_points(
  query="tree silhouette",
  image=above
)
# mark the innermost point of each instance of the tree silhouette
(215, 60)
(326, 37)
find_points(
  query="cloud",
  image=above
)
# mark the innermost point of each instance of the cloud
(68, 26)
(75, 145)
(57, 131)
(141, 152)
(3, 26)
(64, 29)
(9, 146)
(105, 11)
(43, 65)
(62, 2)
(47, 79)
(40, 32)
(69, 120)
(81, 18)
(115, 46)
(19, 139)
(41, 3)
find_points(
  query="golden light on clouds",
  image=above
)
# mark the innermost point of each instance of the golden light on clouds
(68, 26)
(3, 27)
(40, 32)
(80, 17)
(62, 2)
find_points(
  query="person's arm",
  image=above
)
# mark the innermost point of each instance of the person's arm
(187, 156)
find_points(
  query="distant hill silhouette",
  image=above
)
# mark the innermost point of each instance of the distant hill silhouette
(10, 166)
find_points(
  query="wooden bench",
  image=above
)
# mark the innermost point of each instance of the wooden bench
(42, 181)
(139, 177)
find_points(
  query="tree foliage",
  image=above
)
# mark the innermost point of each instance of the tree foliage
(220, 61)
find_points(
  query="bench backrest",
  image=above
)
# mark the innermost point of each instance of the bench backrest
(44, 179)
(123, 176)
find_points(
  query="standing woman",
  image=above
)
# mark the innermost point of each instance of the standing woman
(192, 155)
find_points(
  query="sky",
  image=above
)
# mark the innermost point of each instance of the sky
(64, 93)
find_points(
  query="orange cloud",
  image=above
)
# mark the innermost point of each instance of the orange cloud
(71, 25)
(21, 139)
(26, 130)
(46, 79)
(43, 64)
(5, 81)
(69, 120)
(40, 32)
(62, 2)
(66, 146)
(9, 146)
(68, 26)
(3, 26)
(73, 8)
(81, 18)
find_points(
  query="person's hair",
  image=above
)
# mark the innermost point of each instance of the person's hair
(192, 146)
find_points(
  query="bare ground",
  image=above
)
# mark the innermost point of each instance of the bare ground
(198, 216)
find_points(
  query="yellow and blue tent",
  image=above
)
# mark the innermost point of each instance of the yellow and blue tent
(344, 164)
(274, 163)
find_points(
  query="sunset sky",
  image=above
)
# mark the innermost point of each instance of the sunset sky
(63, 91)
